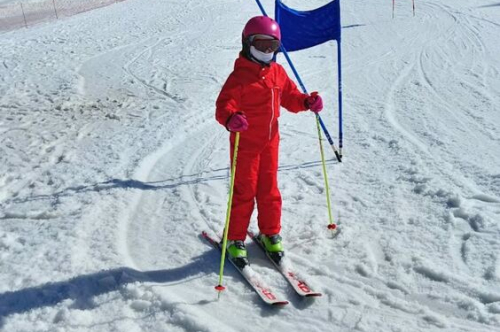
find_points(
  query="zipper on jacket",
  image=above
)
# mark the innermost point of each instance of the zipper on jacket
(272, 115)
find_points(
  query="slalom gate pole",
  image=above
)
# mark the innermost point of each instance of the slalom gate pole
(339, 73)
(413, 4)
(393, 4)
(219, 287)
(299, 80)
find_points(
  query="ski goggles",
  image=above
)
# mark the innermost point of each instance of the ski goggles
(266, 45)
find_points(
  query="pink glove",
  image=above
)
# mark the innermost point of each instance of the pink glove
(314, 102)
(237, 122)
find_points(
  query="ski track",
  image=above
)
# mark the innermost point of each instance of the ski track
(177, 201)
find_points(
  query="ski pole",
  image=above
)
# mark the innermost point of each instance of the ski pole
(219, 287)
(331, 224)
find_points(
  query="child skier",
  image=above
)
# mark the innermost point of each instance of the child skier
(249, 103)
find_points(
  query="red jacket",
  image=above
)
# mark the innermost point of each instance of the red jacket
(258, 91)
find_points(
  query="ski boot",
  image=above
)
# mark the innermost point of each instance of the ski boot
(273, 246)
(237, 253)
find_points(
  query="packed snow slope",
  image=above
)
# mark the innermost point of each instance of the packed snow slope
(111, 164)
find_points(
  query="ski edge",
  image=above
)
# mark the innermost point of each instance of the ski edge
(299, 285)
(265, 293)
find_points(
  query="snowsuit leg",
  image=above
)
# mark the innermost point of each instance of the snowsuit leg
(268, 194)
(256, 180)
(245, 190)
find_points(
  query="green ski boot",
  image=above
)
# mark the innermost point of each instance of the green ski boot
(237, 253)
(274, 247)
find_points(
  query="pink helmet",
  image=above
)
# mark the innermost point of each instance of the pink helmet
(262, 25)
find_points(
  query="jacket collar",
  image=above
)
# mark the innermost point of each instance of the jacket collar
(243, 62)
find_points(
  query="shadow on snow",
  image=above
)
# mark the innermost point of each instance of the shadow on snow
(153, 185)
(82, 289)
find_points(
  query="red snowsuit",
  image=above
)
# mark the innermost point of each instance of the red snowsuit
(257, 91)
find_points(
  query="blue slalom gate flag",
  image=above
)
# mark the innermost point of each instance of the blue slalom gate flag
(304, 29)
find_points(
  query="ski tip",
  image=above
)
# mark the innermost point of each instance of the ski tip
(313, 295)
(280, 303)
(204, 236)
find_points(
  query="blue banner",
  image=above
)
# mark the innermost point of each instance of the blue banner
(304, 29)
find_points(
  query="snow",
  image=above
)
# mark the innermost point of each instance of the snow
(111, 164)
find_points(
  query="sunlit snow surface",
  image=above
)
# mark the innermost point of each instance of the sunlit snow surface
(111, 165)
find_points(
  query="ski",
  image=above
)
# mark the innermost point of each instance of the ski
(252, 277)
(287, 270)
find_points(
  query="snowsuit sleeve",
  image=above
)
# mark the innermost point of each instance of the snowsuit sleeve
(229, 100)
(292, 99)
